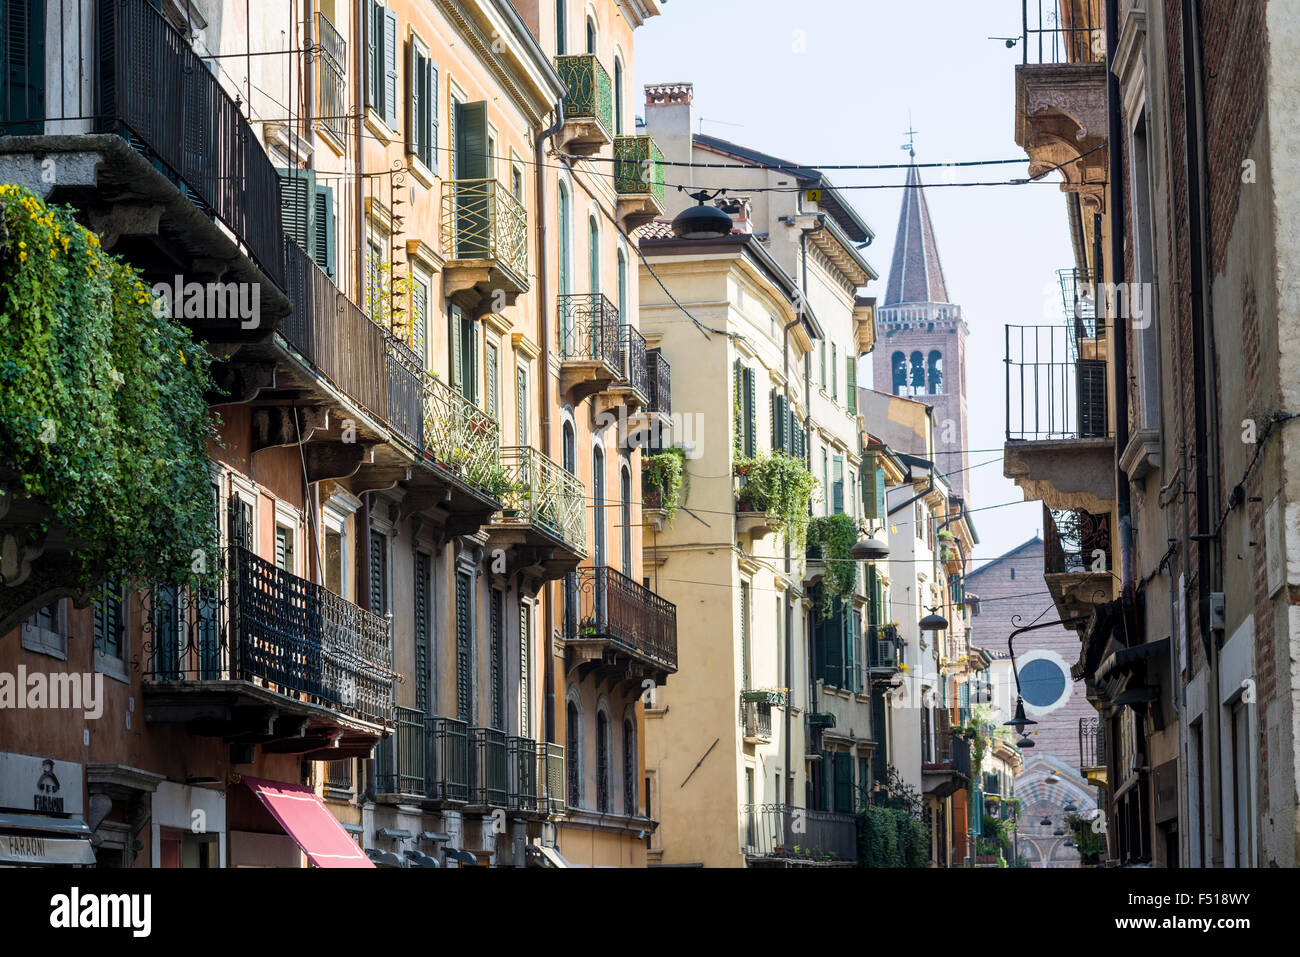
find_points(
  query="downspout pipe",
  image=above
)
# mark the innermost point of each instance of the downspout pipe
(789, 568)
(919, 495)
(544, 381)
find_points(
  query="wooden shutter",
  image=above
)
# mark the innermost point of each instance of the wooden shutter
(851, 382)
(751, 429)
(497, 636)
(744, 636)
(835, 373)
(429, 97)
(464, 707)
(390, 69)
(323, 240)
(22, 32)
(852, 638)
(490, 371)
(780, 433)
(525, 671)
(241, 522)
(471, 140)
(378, 573)
(1092, 397)
(521, 405)
(737, 376)
(282, 550)
(414, 126)
(374, 55)
(298, 207)
(457, 371)
(422, 677)
(837, 484)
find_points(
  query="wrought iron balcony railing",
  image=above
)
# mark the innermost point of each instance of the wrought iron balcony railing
(1092, 744)
(1058, 32)
(402, 760)
(951, 753)
(405, 390)
(482, 219)
(541, 493)
(451, 763)
(776, 830)
(459, 437)
(589, 329)
(1052, 391)
(638, 167)
(605, 604)
(489, 767)
(589, 93)
(632, 360)
(331, 77)
(145, 83)
(756, 719)
(885, 647)
(661, 382)
(1075, 542)
(261, 624)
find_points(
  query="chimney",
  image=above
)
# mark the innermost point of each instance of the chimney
(670, 118)
(740, 210)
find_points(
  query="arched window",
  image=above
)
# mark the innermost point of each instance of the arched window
(935, 372)
(566, 272)
(625, 518)
(593, 258)
(598, 505)
(898, 363)
(918, 373)
(602, 762)
(591, 35)
(622, 286)
(618, 97)
(561, 27)
(569, 449)
(629, 768)
(573, 747)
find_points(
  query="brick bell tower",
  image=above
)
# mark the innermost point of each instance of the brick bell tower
(921, 336)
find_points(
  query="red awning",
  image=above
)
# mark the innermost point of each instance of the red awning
(308, 821)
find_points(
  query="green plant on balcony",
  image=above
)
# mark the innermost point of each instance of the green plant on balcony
(103, 416)
(1090, 843)
(781, 486)
(587, 627)
(387, 299)
(835, 536)
(774, 696)
(664, 473)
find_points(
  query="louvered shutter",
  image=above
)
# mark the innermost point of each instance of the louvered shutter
(851, 382)
(429, 97)
(525, 672)
(496, 633)
(737, 374)
(837, 484)
(23, 38)
(490, 370)
(378, 573)
(323, 240)
(298, 207)
(422, 677)
(780, 433)
(374, 55)
(464, 710)
(414, 127)
(457, 357)
(832, 640)
(390, 69)
(1092, 398)
(521, 405)
(473, 210)
(751, 429)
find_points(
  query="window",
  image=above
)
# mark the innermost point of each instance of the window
(591, 35)
(496, 634)
(935, 371)
(602, 762)
(307, 214)
(421, 104)
(629, 767)
(569, 449)
(821, 363)
(573, 753)
(492, 388)
(622, 285)
(179, 849)
(521, 402)
(423, 630)
(746, 430)
(336, 552)
(898, 366)
(110, 631)
(381, 64)
(745, 676)
(464, 353)
(378, 573)
(598, 505)
(525, 669)
(835, 373)
(826, 482)
(464, 636)
(593, 257)
(625, 518)
(420, 318)
(517, 183)
(837, 484)
(564, 215)
(376, 308)
(618, 97)
(561, 25)
(46, 632)
(851, 384)
(284, 548)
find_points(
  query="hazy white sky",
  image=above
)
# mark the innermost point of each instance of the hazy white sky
(834, 81)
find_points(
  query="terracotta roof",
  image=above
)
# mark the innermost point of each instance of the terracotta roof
(915, 275)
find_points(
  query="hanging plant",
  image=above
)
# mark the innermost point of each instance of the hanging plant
(103, 413)
(835, 536)
(664, 474)
(781, 486)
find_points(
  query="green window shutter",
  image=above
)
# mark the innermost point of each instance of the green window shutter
(390, 69)
(422, 631)
(835, 372)
(457, 357)
(851, 381)
(420, 321)
(298, 206)
(429, 98)
(738, 413)
(832, 630)
(414, 128)
(751, 429)
(525, 672)
(378, 573)
(469, 362)
(496, 632)
(490, 368)
(22, 58)
(744, 636)
(521, 406)
(471, 140)
(821, 359)
(323, 245)
(837, 484)
(464, 703)
(852, 638)
(374, 33)
(870, 506)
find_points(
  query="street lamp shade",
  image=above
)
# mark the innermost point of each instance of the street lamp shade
(933, 622)
(869, 549)
(701, 221)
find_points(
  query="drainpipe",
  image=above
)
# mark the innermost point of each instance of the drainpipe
(789, 570)
(358, 145)
(544, 380)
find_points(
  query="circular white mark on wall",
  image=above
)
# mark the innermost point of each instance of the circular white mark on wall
(1045, 682)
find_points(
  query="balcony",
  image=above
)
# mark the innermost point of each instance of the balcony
(885, 652)
(661, 384)
(948, 769)
(331, 79)
(489, 769)
(591, 349)
(638, 180)
(139, 134)
(1092, 750)
(1077, 564)
(1059, 447)
(265, 657)
(1061, 95)
(781, 835)
(588, 105)
(618, 627)
(543, 516)
(462, 448)
(630, 392)
(485, 242)
(756, 716)
(403, 761)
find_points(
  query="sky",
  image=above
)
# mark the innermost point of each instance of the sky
(838, 81)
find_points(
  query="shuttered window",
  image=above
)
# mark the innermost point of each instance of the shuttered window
(744, 636)
(780, 422)
(748, 409)
(837, 484)
(241, 522)
(851, 383)
(108, 620)
(842, 784)
(464, 353)
(390, 69)
(491, 387)
(381, 63)
(464, 704)
(420, 320)
(284, 548)
(422, 633)
(835, 373)
(496, 633)
(378, 573)
(525, 670)
(521, 404)
(421, 104)
(307, 213)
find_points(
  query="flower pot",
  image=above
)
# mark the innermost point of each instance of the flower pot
(652, 499)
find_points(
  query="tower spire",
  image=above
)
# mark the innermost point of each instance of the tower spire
(916, 274)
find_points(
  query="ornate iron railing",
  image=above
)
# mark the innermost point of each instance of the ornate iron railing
(331, 77)
(261, 624)
(1055, 32)
(489, 767)
(459, 437)
(786, 831)
(951, 753)
(340, 778)
(332, 333)
(756, 719)
(541, 493)
(588, 329)
(589, 91)
(148, 85)
(524, 757)
(451, 764)
(607, 604)
(884, 647)
(632, 360)
(1092, 744)
(1051, 391)
(1075, 542)
(482, 219)
(405, 390)
(402, 759)
(661, 382)
(638, 167)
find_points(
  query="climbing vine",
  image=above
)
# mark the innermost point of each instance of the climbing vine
(781, 486)
(102, 410)
(665, 473)
(835, 535)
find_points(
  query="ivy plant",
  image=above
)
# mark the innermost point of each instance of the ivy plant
(103, 417)
(835, 535)
(665, 473)
(781, 486)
